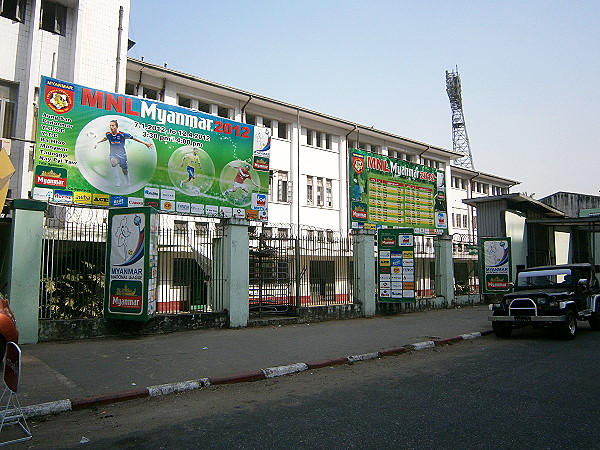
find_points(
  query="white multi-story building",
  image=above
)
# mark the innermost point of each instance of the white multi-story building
(85, 42)
(81, 41)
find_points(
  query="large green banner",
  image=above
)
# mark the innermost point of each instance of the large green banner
(101, 148)
(394, 193)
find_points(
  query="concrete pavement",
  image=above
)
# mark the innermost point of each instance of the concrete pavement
(59, 376)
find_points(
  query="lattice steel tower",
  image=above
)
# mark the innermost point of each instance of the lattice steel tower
(460, 139)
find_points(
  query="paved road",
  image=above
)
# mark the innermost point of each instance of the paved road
(533, 391)
(66, 370)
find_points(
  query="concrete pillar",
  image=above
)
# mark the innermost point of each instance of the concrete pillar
(365, 290)
(444, 268)
(236, 268)
(25, 267)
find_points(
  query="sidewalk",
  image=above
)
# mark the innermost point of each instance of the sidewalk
(75, 370)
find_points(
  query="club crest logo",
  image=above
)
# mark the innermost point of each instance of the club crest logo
(59, 97)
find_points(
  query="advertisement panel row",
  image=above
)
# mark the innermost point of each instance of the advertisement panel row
(394, 193)
(107, 149)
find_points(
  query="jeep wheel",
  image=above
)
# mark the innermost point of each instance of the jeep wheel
(594, 321)
(568, 328)
(502, 329)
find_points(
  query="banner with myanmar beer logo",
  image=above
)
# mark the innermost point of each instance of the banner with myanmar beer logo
(390, 192)
(497, 265)
(107, 149)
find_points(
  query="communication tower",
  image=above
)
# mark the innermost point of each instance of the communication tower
(460, 139)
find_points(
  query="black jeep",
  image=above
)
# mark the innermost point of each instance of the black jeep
(550, 296)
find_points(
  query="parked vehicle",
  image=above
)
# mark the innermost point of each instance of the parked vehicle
(8, 326)
(550, 296)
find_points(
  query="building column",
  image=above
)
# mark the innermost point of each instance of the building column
(25, 267)
(236, 269)
(364, 270)
(444, 268)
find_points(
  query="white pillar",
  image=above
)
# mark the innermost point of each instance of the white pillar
(444, 268)
(236, 268)
(364, 271)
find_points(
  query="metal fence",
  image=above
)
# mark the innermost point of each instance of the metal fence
(289, 266)
(465, 254)
(293, 266)
(190, 275)
(190, 270)
(73, 256)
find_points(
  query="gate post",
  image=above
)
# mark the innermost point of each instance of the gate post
(444, 268)
(25, 267)
(236, 268)
(364, 270)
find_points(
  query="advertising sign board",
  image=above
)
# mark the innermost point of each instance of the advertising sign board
(497, 265)
(391, 192)
(106, 149)
(396, 265)
(131, 264)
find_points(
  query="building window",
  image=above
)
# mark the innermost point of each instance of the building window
(13, 9)
(309, 137)
(282, 130)
(152, 94)
(54, 18)
(328, 193)
(309, 190)
(251, 119)
(184, 101)
(223, 112)
(204, 107)
(270, 185)
(328, 141)
(465, 221)
(7, 114)
(130, 89)
(180, 227)
(319, 191)
(201, 228)
(283, 186)
(318, 139)
(267, 123)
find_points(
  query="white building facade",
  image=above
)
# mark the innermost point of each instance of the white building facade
(80, 41)
(85, 42)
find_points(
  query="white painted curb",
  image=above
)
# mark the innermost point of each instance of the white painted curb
(166, 389)
(475, 335)
(363, 357)
(423, 345)
(44, 409)
(279, 371)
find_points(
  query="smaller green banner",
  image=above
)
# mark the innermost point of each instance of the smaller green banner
(396, 265)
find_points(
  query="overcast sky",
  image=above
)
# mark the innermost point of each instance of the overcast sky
(530, 70)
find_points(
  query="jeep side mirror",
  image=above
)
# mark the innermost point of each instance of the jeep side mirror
(583, 282)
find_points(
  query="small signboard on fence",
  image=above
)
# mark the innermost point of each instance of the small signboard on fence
(131, 264)
(396, 265)
(497, 265)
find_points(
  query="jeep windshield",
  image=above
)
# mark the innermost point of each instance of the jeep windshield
(548, 278)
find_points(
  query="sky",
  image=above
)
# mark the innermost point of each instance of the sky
(530, 71)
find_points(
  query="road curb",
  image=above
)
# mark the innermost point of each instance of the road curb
(59, 406)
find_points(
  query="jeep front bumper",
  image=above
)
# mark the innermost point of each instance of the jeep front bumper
(527, 319)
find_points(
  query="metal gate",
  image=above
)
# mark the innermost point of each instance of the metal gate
(294, 266)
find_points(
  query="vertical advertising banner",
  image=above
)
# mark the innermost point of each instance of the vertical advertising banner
(396, 265)
(390, 192)
(106, 149)
(131, 264)
(497, 265)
